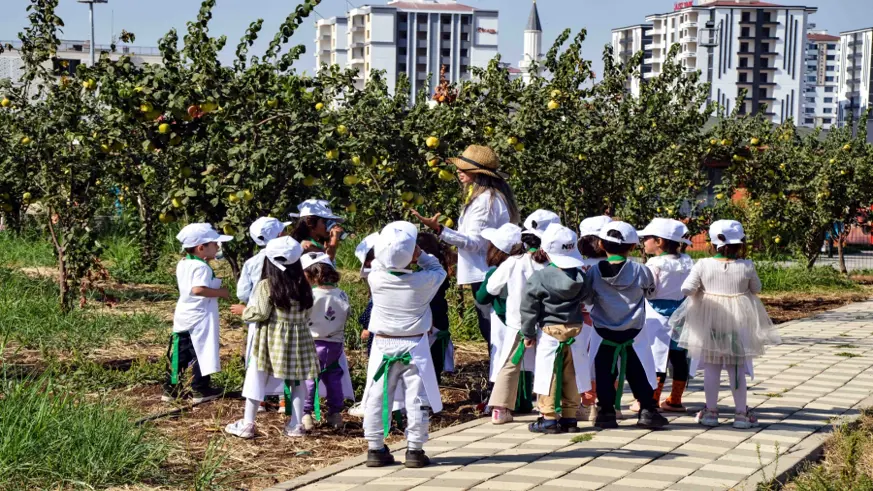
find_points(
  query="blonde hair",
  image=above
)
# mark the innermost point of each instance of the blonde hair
(498, 187)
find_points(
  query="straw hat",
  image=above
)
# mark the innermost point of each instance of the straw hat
(477, 159)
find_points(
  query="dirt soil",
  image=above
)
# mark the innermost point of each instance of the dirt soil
(788, 307)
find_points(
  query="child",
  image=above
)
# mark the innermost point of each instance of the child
(263, 230)
(662, 240)
(195, 336)
(513, 364)
(589, 246)
(553, 301)
(282, 349)
(365, 254)
(400, 322)
(618, 289)
(725, 323)
(319, 229)
(442, 350)
(327, 322)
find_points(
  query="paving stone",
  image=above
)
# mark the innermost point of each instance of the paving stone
(636, 483)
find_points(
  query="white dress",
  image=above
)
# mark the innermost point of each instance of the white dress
(723, 321)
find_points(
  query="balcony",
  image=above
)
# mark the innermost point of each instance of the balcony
(689, 24)
(688, 39)
(747, 22)
(687, 55)
(357, 27)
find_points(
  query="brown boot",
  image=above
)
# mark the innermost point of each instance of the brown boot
(673, 403)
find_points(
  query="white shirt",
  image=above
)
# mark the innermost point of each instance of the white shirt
(330, 309)
(511, 276)
(482, 213)
(401, 303)
(192, 310)
(723, 278)
(670, 272)
(250, 276)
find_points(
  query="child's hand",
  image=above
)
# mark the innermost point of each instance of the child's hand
(529, 343)
(365, 335)
(237, 309)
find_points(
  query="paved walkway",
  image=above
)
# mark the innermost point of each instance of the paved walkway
(823, 370)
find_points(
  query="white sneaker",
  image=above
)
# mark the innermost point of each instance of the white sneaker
(357, 410)
(500, 415)
(707, 417)
(308, 422)
(294, 431)
(746, 420)
(241, 429)
(262, 407)
(592, 417)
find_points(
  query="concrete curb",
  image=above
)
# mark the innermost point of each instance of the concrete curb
(807, 451)
(347, 464)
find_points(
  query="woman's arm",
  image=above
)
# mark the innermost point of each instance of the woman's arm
(260, 307)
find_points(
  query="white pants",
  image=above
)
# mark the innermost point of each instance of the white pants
(417, 406)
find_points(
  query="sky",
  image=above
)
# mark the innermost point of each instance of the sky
(151, 19)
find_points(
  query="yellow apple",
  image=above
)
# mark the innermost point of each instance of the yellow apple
(554, 105)
(233, 198)
(5, 102)
(489, 131)
(446, 175)
(342, 130)
(519, 147)
(352, 208)
(310, 181)
(755, 141)
(556, 93)
(351, 180)
(229, 230)
(319, 106)
(247, 195)
(272, 103)
(432, 142)
(146, 107)
(356, 160)
(407, 196)
(512, 140)
(419, 199)
(163, 128)
(25, 141)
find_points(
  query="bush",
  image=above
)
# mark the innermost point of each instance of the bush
(60, 439)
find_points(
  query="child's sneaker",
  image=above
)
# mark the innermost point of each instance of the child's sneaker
(308, 422)
(650, 418)
(379, 458)
(707, 417)
(583, 413)
(294, 431)
(262, 407)
(206, 395)
(569, 425)
(335, 420)
(171, 396)
(746, 420)
(500, 415)
(357, 410)
(241, 429)
(543, 425)
(416, 459)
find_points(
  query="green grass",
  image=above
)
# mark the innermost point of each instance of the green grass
(846, 346)
(124, 261)
(29, 315)
(797, 279)
(59, 439)
(26, 251)
(846, 354)
(585, 437)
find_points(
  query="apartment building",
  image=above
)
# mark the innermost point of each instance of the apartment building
(820, 102)
(71, 54)
(855, 89)
(628, 41)
(738, 45)
(411, 37)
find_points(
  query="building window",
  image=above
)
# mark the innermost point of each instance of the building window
(763, 78)
(810, 100)
(832, 46)
(828, 110)
(765, 47)
(827, 120)
(832, 57)
(808, 121)
(762, 93)
(422, 18)
(832, 68)
(809, 110)
(744, 77)
(811, 46)
(810, 78)
(464, 52)
(747, 17)
(465, 19)
(446, 52)
(829, 89)
(445, 19)
(465, 37)
(400, 51)
(447, 36)
(744, 63)
(829, 100)
(746, 32)
(765, 33)
(744, 47)
(829, 79)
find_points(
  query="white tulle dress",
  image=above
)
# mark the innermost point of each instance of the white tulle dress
(723, 321)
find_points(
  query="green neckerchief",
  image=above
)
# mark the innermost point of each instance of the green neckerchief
(617, 259)
(316, 243)
(396, 273)
(559, 373)
(722, 256)
(195, 258)
(620, 351)
(532, 250)
(382, 372)
(174, 376)
(666, 254)
(289, 407)
(316, 397)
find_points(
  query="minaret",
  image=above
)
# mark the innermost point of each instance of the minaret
(533, 43)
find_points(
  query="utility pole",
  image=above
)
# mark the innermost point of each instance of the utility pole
(91, 19)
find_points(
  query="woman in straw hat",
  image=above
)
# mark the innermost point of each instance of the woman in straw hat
(489, 203)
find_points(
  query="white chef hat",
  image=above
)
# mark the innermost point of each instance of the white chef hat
(396, 246)
(196, 234)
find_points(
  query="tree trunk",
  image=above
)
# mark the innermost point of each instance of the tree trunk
(842, 257)
(65, 293)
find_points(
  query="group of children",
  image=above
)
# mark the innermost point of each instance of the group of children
(572, 318)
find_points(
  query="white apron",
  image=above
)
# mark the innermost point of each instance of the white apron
(449, 355)
(498, 339)
(348, 389)
(252, 386)
(205, 338)
(658, 329)
(642, 347)
(421, 358)
(507, 339)
(545, 363)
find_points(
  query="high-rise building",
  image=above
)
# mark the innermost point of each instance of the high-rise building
(822, 79)
(855, 90)
(627, 42)
(70, 55)
(739, 45)
(533, 45)
(331, 41)
(412, 37)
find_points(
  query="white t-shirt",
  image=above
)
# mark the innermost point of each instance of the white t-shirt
(330, 310)
(512, 277)
(482, 213)
(670, 272)
(192, 310)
